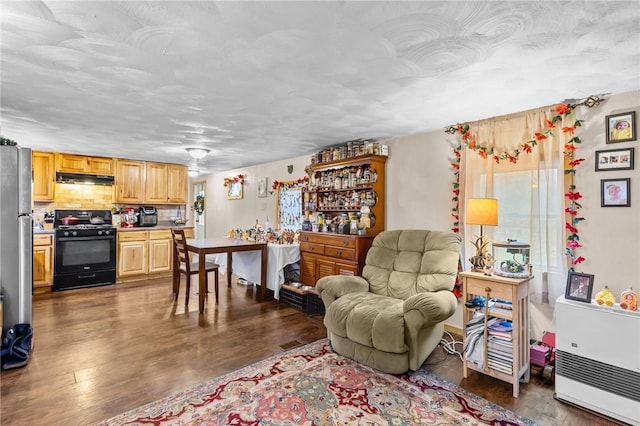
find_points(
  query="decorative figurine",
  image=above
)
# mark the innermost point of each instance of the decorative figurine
(605, 297)
(629, 300)
(488, 263)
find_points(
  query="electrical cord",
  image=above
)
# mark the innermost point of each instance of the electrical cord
(449, 346)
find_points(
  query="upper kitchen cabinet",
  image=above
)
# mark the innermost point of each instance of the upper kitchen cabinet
(166, 183)
(70, 163)
(44, 174)
(130, 178)
(156, 183)
(176, 184)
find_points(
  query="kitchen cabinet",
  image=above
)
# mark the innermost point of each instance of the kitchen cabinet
(42, 262)
(71, 163)
(165, 183)
(346, 186)
(511, 365)
(132, 253)
(144, 253)
(177, 184)
(129, 179)
(44, 175)
(323, 254)
(160, 249)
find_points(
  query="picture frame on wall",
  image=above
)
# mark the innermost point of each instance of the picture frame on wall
(579, 286)
(621, 127)
(615, 192)
(262, 188)
(615, 159)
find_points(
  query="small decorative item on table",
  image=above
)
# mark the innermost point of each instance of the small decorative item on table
(605, 297)
(629, 300)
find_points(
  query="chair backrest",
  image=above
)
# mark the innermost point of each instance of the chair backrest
(180, 252)
(402, 263)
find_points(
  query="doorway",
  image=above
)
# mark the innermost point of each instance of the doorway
(199, 219)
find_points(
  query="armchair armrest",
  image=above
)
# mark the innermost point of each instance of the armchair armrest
(423, 309)
(334, 286)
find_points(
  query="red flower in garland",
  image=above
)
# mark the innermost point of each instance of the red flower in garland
(569, 147)
(573, 196)
(456, 153)
(275, 185)
(483, 154)
(562, 108)
(571, 228)
(549, 123)
(455, 166)
(539, 136)
(573, 244)
(527, 148)
(466, 135)
(579, 259)
(570, 211)
(569, 130)
(576, 162)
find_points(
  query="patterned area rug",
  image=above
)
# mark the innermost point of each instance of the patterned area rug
(312, 385)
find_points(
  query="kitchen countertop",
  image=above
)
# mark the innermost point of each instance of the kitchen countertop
(43, 231)
(154, 228)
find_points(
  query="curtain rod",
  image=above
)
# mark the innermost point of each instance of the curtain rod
(591, 101)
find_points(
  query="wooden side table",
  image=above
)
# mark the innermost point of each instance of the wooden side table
(509, 289)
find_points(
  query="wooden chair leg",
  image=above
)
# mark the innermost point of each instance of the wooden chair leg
(216, 285)
(186, 297)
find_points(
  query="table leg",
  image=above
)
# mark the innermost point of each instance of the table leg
(202, 280)
(263, 272)
(229, 268)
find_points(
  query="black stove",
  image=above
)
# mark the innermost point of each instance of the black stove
(85, 254)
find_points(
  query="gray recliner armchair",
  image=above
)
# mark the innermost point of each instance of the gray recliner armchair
(392, 317)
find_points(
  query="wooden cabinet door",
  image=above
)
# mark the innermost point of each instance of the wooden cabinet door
(160, 252)
(324, 268)
(132, 258)
(130, 177)
(72, 163)
(44, 175)
(176, 184)
(156, 183)
(100, 166)
(346, 269)
(43, 262)
(307, 269)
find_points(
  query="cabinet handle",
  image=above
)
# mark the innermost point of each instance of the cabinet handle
(345, 243)
(339, 252)
(487, 289)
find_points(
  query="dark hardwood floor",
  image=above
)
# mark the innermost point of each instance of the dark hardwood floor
(102, 351)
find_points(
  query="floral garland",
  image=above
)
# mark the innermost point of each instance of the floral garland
(198, 205)
(470, 142)
(300, 181)
(235, 179)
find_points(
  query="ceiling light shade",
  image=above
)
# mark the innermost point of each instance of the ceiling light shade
(193, 172)
(197, 153)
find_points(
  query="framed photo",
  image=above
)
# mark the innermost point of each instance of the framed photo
(235, 191)
(621, 127)
(262, 188)
(579, 287)
(614, 159)
(615, 192)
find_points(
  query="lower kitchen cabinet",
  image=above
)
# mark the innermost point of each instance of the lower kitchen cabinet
(145, 253)
(42, 262)
(323, 254)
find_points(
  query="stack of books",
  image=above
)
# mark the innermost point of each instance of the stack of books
(500, 346)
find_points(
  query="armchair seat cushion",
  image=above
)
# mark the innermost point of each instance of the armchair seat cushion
(369, 319)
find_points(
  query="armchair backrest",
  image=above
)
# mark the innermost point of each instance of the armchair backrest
(402, 263)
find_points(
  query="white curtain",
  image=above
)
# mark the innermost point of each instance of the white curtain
(530, 193)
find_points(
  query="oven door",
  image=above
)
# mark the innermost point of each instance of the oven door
(76, 255)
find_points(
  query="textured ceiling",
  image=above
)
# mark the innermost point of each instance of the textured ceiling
(262, 81)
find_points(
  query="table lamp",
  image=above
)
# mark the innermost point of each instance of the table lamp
(481, 211)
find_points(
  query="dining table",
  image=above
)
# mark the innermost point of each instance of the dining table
(204, 246)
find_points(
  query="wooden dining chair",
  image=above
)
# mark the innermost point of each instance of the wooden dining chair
(182, 265)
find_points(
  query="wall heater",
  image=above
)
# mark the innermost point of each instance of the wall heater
(598, 358)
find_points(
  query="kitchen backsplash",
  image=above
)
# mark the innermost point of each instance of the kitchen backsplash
(165, 213)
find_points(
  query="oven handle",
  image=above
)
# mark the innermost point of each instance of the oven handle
(87, 276)
(95, 237)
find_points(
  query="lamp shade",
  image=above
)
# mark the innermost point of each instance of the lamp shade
(482, 211)
(197, 153)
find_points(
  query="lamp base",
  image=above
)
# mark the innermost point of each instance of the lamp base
(479, 260)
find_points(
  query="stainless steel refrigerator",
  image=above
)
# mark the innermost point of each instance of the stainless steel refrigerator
(16, 234)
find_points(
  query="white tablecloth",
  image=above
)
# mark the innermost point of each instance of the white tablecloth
(246, 264)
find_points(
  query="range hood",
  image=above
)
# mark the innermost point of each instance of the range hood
(84, 179)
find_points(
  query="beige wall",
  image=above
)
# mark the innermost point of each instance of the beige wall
(418, 195)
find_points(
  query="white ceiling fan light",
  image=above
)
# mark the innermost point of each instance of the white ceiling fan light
(193, 172)
(198, 153)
